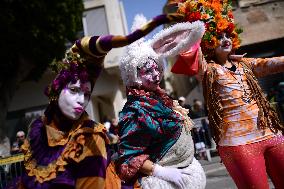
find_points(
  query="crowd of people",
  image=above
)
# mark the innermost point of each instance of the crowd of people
(154, 142)
(6, 149)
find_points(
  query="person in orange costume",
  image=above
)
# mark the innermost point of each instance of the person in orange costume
(246, 128)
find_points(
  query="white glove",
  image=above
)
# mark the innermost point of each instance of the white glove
(169, 174)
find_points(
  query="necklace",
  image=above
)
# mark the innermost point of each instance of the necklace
(246, 97)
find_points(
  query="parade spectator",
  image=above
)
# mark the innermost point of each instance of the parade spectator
(16, 146)
(207, 133)
(199, 112)
(4, 152)
(181, 101)
(199, 143)
(198, 109)
(4, 145)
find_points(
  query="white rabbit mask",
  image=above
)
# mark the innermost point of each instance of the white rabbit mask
(168, 42)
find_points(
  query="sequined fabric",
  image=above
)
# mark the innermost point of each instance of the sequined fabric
(247, 164)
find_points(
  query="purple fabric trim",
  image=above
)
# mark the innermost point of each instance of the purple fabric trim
(135, 35)
(43, 153)
(126, 186)
(92, 166)
(63, 178)
(93, 46)
(105, 42)
(78, 44)
(89, 123)
(160, 19)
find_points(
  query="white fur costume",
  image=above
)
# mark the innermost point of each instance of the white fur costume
(169, 42)
(137, 53)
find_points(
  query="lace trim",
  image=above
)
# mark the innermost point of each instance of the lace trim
(41, 173)
(188, 123)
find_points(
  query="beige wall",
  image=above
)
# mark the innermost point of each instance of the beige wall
(31, 94)
(116, 25)
(261, 22)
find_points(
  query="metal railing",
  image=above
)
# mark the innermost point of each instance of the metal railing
(10, 168)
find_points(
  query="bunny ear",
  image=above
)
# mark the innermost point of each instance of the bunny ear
(177, 38)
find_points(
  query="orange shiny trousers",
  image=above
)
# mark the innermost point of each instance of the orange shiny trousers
(249, 164)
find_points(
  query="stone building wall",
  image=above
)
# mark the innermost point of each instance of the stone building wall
(262, 20)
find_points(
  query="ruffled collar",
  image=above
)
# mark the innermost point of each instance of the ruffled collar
(42, 162)
(56, 137)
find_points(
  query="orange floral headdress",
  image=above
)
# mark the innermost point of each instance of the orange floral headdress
(217, 16)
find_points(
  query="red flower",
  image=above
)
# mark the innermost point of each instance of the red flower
(230, 28)
(230, 15)
(207, 25)
(194, 16)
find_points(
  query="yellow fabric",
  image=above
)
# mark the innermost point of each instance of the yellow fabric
(85, 45)
(99, 48)
(90, 183)
(56, 137)
(112, 179)
(83, 145)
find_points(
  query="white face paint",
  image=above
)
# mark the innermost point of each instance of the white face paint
(74, 98)
(225, 45)
(150, 75)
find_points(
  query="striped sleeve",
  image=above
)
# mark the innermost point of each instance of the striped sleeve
(91, 171)
(99, 46)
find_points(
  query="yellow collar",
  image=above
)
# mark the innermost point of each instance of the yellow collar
(56, 137)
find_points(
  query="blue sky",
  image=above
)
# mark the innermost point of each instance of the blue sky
(149, 8)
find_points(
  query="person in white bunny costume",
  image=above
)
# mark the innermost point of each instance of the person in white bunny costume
(156, 148)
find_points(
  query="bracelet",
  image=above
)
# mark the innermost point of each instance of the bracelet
(152, 169)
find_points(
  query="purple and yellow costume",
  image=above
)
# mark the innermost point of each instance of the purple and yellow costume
(73, 159)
